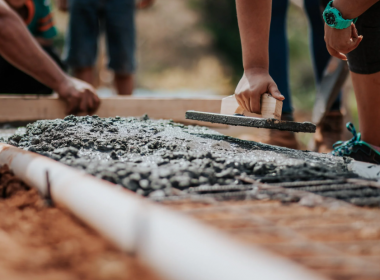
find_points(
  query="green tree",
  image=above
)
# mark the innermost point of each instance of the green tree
(219, 17)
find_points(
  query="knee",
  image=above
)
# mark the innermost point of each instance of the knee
(123, 76)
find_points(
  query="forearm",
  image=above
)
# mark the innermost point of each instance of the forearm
(353, 8)
(254, 21)
(19, 48)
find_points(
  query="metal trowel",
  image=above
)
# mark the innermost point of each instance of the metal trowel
(232, 114)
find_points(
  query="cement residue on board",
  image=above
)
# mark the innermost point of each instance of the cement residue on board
(153, 156)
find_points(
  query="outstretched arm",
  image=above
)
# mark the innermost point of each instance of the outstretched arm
(19, 48)
(254, 21)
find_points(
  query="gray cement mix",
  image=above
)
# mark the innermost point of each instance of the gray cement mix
(151, 157)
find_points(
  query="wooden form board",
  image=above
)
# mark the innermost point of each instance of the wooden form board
(15, 108)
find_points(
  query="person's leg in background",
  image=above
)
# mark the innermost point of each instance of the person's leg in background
(86, 74)
(124, 84)
(279, 52)
(330, 129)
(367, 92)
(120, 34)
(364, 65)
(82, 39)
(279, 70)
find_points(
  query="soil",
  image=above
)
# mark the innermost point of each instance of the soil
(152, 157)
(337, 241)
(41, 242)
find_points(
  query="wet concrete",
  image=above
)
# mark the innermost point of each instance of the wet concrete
(251, 122)
(152, 157)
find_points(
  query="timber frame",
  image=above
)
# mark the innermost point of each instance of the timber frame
(25, 108)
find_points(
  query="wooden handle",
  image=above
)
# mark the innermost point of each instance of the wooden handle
(271, 108)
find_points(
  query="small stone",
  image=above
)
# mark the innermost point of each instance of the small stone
(157, 194)
(203, 180)
(32, 149)
(130, 184)
(135, 177)
(35, 141)
(114, 155)
(144, 184)
(140, 192)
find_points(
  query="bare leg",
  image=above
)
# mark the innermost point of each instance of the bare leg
(124, 84)
(367, 92)
(85, 74)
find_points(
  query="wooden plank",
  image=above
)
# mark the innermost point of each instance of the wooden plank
(15, 108)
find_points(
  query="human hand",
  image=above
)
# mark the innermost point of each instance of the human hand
(254, 83)
(341, 41)
(63, 5)
(142, 4)
(79, 96)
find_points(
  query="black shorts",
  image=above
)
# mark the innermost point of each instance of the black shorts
(365, 59)
(14, 80)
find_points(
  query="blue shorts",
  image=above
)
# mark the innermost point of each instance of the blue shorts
(88, 18)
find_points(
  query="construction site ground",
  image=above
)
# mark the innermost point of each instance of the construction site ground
(296, 204)
(42, 242)
(338, 241)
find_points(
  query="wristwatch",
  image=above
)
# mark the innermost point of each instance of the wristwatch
(334, 19)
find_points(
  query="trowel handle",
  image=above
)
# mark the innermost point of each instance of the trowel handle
(239, 110)
(271, 108)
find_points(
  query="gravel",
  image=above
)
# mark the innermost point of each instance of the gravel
(151, 157)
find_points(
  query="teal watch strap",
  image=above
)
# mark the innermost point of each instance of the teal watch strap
(342, 24)
(334, 19)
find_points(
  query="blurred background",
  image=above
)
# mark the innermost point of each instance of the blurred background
(192, 48)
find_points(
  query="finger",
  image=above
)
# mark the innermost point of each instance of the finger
(96, 102)
(83, 102)
(355, 39)
(335, 53)
(240, 101)
(354, 43)
(354, 33)
(256, 103)
(93, 104)
(246, 98)
(357, 42)
(90, 102)
(69, 105)
(273, 90)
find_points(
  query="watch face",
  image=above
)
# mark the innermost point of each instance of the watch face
(330, 18)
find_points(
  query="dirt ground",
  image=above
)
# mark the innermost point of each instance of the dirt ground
(337, 241)
(41, 242)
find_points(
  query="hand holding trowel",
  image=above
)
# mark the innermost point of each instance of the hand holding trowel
(232, 113)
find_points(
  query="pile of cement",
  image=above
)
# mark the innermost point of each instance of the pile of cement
(153, 156)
